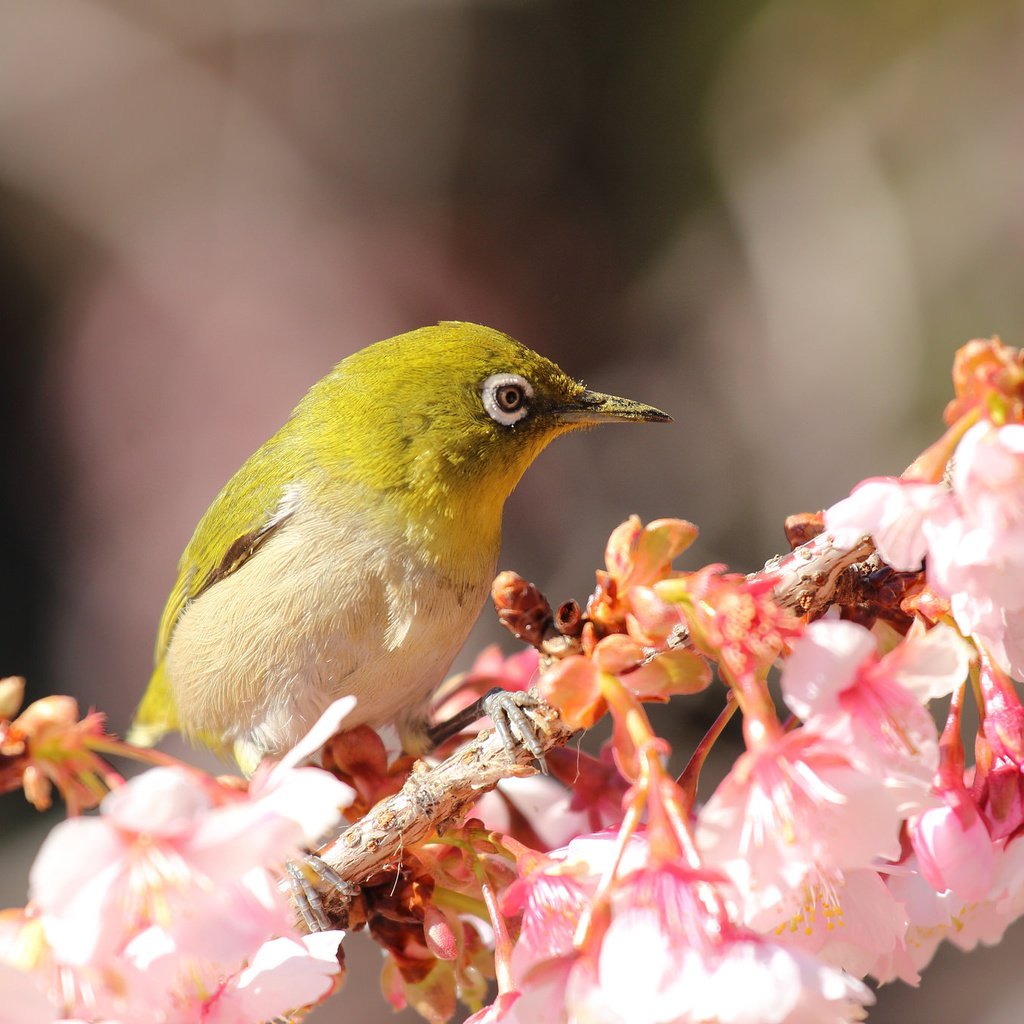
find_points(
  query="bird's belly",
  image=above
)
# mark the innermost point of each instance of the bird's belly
(257, 658)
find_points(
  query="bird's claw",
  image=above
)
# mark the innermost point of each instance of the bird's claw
(505, 708)
(306, 894)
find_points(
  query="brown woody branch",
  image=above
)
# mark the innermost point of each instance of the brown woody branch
(808, 576)
(433, 799)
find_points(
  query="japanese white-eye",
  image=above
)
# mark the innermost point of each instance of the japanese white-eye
(353, 551)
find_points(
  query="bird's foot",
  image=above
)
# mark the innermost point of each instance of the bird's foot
(304, 879)
(506, 709)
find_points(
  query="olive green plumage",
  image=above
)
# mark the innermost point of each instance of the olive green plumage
(352, 552)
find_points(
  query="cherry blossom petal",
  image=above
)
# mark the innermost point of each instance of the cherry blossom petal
(669, 673)
(321, 731)
(554, 905)
(572, 686)
(497, 1012)
(954, 848)
(988, 475)
(285, 974)
(823, 663)
(161, 802)
(22, 999)
(545, 804)
(310, 799)
(543, 1001)
(72, 882)
(892, 512)
(930, 664)
(766, 983)
(638, 554)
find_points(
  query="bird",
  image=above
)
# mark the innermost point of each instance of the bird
(353, 551)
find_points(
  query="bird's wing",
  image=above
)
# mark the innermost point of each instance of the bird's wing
(241, 519)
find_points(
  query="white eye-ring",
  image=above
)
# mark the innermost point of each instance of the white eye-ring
(506, 397)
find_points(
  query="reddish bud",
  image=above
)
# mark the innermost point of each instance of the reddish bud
(522, 608)
(802, 527)
(441, 938)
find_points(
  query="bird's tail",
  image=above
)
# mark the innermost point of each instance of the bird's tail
(156, 715)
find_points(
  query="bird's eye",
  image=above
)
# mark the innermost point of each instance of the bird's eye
(510, 397)
(506, 397)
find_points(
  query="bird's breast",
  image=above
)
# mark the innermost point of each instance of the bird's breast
(332, 604)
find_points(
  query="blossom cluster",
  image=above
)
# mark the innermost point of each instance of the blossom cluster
(849, 838)
(166, 906)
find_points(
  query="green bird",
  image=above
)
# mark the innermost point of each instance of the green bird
(353, 551)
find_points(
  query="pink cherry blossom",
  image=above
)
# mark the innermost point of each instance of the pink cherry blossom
(669, 956)
(988, 479)
(170, 898)
(661, 931)
(546, 806)
(823, 664)
(954, 848)
(283, 974)
(499, 1012)
(552, 905)
(972, 535)
(793, 811)
(61, 992)
(893, 512)
(934, 916)
(937, 916)
(850, 924)
(161, 852)
(552, 895)
(670, 953)
(929, 922)
(543, 1000)
(871, 706)
(733, 619)
(769, 983)
(976, 557)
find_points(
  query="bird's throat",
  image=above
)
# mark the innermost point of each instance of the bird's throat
(458, 533)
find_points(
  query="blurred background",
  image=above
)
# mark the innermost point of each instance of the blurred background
(776, 219)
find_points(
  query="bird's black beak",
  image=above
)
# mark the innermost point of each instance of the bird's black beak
(592, 408)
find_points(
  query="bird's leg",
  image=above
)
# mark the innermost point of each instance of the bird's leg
(305, 894)
(505, 710)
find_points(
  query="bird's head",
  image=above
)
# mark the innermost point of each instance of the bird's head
(448, 418)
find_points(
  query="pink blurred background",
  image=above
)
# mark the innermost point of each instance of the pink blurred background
(775, 220)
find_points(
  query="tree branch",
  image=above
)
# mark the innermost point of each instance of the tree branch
(808, 575)
(433, 799)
